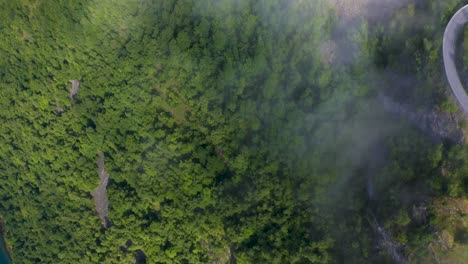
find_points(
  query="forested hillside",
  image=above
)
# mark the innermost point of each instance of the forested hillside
(233, 131)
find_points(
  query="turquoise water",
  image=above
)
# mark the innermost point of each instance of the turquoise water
(3, 254)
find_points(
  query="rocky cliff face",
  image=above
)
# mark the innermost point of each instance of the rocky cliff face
(75, 87)
(100, 194)
(438, 125)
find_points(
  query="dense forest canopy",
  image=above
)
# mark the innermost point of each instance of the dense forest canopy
(233, 131)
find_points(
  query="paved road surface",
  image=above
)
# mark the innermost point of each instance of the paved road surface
(452, 32)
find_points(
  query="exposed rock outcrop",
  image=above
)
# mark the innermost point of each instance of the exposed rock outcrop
(438, 125)
(100, 194)
(58, 108)
(74, 89)
(385, 241)
(350, 8)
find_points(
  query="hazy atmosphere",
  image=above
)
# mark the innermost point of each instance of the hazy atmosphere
(233, 131)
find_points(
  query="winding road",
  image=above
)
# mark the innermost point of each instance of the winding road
(451, 34)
